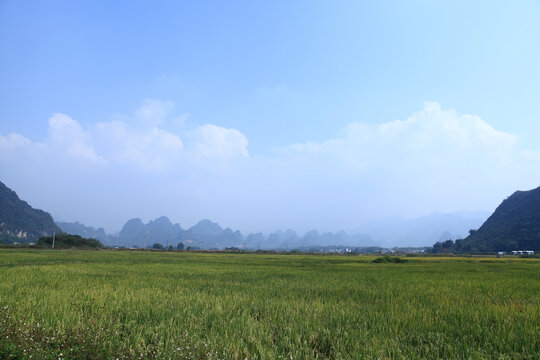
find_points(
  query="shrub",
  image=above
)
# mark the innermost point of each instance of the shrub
(66, 241)
(389, 260)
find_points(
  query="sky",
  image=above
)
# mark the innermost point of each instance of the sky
(268, 115)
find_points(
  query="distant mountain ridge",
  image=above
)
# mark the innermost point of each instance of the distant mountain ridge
(515, 225)
(210, 235)
(80, 229)
(205, 234)
(19, 222)
(290, 240)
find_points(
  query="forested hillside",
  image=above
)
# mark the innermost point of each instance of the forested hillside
(19, 222)
(515, 225)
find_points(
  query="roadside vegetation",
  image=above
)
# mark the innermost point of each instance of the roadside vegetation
(68, 241)
(159, 305)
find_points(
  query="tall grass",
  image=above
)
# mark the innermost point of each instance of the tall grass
(114, 304)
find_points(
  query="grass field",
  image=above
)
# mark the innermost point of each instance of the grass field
(123, 304)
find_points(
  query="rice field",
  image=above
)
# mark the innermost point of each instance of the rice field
(180, 305)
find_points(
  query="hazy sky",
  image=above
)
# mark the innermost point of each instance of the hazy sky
(266, 115)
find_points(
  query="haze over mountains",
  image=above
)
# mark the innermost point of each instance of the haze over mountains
(77, 228)
(425, 230)
(515, 225)
(210, 235)
(17, 218)
(418, 232)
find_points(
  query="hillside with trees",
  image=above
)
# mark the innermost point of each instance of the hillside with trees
(67, 241)
(515, 225)
(19, 222)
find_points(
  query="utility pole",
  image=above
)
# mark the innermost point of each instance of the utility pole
(53, 236)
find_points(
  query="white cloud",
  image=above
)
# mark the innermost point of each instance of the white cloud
(432, 136)
(436, 159)
(153, 112)
(213, 141)
(13, 140)
(15, 148)
(151, 148)
(131, 143)
(67, 134)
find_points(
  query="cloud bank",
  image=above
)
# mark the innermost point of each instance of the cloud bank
(434, 160)
(137, 142)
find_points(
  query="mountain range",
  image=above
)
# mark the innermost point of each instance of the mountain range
(76, 228)
(205, 234)
(515, 225)
(390, 232)
(422, 231)
(210, 235)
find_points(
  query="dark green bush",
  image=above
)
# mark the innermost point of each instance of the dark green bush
(66, 241)
(389, 260)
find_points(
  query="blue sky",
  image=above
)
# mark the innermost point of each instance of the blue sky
(200, 97)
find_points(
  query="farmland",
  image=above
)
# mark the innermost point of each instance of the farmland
(180, 305)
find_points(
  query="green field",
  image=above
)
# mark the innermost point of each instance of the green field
(132, 304)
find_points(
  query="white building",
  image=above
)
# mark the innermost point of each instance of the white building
(523, 252)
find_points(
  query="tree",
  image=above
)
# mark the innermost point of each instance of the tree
(447, 244)
(68, 241)
(180, 246)
(443, 247)
(157, 246)
(459, 245)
